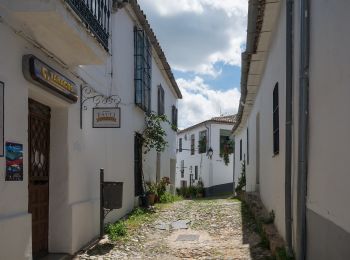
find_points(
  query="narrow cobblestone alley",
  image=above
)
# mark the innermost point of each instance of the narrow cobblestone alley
(216, 229)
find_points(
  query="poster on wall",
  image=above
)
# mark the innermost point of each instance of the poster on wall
(14, 162)
(2, 119)
(108, 117)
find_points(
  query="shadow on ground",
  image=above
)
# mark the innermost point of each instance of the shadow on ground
(253, 235)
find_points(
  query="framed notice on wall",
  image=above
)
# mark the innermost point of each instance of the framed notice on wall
(106, 117)
(2, 108)
(14, 162)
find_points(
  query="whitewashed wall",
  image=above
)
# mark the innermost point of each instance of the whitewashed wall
(76, 155)
(271, 166)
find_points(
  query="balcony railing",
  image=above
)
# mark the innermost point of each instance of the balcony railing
(96, 16)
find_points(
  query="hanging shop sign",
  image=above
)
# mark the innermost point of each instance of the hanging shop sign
(44, 76)
(14, 162)
(106, 117)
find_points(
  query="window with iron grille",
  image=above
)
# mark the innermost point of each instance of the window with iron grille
(192, 144)
(180, 145)
(202, 142)
(174, 116)
(240, 150)
(182, 170)
(143, 69)
(160, 100)
(196, 172)
(226, 143)
(276, 127)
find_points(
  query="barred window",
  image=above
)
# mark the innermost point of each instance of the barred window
(202, 142)
(276, 122)
(143, 69)
(160, 100)
(174, 116)
(192, 144)
(182, 169)
(240, 150)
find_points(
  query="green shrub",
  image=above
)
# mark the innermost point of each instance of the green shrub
(116, 231)
(169, 198)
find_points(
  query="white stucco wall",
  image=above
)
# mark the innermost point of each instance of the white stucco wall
(76, 155)
(222, 173)
(329, 179)
(271, 166)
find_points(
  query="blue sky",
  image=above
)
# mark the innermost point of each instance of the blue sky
(203, 41)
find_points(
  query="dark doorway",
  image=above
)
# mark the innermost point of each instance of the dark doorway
(138, 165)
(38, 183)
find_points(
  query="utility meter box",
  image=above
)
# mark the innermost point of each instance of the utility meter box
(112, 195)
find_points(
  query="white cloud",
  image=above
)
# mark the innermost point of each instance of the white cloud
(200, 103)
(196, 34)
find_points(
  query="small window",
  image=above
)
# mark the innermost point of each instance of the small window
(174, 117)
(226, 143)
(160, 100)
(240, 150)
(192, 144)
(180, 145)
(142, 69)
(183, 184)
(247, 145)
(182, 170)
(276, 123)
(196, 172)
(202, 142)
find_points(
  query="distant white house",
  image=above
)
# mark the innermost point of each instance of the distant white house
(200, 155)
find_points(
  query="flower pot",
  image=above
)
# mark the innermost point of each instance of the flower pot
(151, 198)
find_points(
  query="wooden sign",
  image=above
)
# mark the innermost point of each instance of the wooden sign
(106, 117)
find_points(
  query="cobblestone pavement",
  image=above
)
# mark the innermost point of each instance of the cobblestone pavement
(216, 231)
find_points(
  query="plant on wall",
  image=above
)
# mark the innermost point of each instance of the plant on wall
(154, 135)
(227, 150)
(202, 144)
(242, 180)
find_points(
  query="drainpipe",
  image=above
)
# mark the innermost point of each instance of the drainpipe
(303, 127)
(289, 121)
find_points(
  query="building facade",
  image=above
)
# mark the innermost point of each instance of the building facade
(292, 122)
(200, 156)
(77, 80)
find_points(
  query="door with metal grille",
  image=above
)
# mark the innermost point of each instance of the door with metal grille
(38, 183)
(138, 165)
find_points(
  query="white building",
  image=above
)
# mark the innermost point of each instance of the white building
(55, 56)
(193, 161)
(293, 121)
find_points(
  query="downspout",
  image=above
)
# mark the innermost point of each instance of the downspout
(303, 127)
(289, 121)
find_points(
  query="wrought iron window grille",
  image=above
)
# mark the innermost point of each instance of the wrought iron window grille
(89, 94)
(95, 14)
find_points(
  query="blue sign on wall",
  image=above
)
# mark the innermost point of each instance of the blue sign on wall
(14, 162)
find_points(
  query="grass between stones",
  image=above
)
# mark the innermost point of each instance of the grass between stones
(124, 228)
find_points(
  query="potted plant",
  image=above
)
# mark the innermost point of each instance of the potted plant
(200, 189)
(151, 192)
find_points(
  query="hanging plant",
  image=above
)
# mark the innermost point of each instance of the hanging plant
(154, 136)
(227, 151)
(242, 180)
(202, 144)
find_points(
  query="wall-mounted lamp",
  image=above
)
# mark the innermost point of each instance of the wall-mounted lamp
(210, 153)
